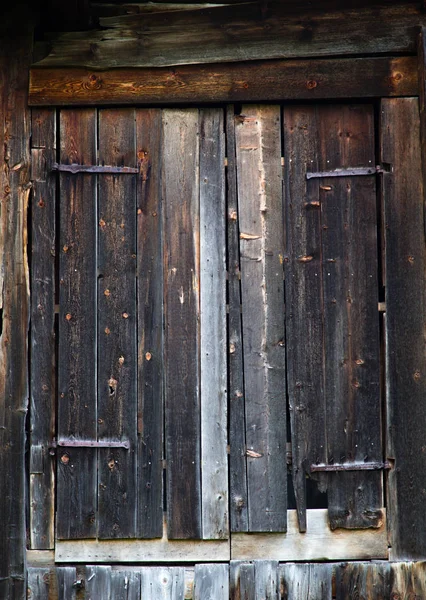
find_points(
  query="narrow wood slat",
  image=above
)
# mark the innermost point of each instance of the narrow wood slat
(125, 585)
(301, 581)
(162, 583)
(237, 426)
(351, 318)
(304, 305)
(266, 579)
(247, 588)
(150, 324)
(260, 81)
(77, 410)
(403, 197)
(211, 582)
(66, 577)
(261, 232)
(181, 298)
(38, 583)
(117, 318)
(213, 365)
(43, 376)
(97, 582)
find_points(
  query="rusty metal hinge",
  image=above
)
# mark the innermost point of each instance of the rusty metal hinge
(353, 466)
(95, 169)
(350, 172)
(66, 443)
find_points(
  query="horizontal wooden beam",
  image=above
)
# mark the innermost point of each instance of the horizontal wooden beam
(274, 80)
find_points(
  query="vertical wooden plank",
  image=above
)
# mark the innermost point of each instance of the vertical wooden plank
(304, 299)
(150, 324)
(181, 299)
(211, 582)
(213, 366)
(351, 318)
(66, 577)
(298, 581)
(364, 580)
(43, 376)
(162, 583)
(98, 582)
(38, 584)
(237, 425)
(266, 579)
(117, 317)
(407, 580)
(125, 585)
(403, 191)
(247, 582)
(77, 410)
(261, 239)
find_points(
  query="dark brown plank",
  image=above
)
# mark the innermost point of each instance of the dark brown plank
(351, 317)
(245, 32)
(258, 147)
(405, 316)
(267, 80)
(181, 299)
(43, 376)
(237, 425)
(77, 408)
(117, 318)
(150, 324)
(364, 580)
(304, 307)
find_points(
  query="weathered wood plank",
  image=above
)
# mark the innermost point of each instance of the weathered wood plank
(304, 303)
(43, 376)
(181, 299)
(405, 315)
(150, 324)
(98, 582)
(365, 580)
(213, 364)
(117, 318)
(245, 32)
(274, 80)
(318, 543)
(66, 577)
(125, 585)
(266, 580)
(77, 407)
(258, 146)
(302, 581)
(211, 582)
(407, 580)
(162, 583)
(351, 319)
(38, 583)
(237, 426)
(247, 582)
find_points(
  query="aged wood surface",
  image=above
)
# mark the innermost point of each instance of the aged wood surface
(367, 580)
(38, 583)
(213, 364)
(150, 324)
(405, 315)
(43, 375)
(351, 319)
(117, 318)
(125, 585)
(237, 427)
(259, 174)
(181, 301)
(16, 44)
(266, 580)
(77, 406)
(317, 544)
(267, 80)
(245, 32)
(305, 581)
(211, 582)
(167, 583)
(97, 582)
(65, 579)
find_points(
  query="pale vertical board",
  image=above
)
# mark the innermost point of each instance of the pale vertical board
(125, 585)
(211, 582)
(403, 191)
(150, 324)
(213, 374)
(266, 580)
(258, 146)
(98, 582)
(66, 577)
(43, 376)
(181, 299)
(237, 424)
(38, 583)
(304, 300)
(247, 588)
(305, 581)
(117, 318)
(77, 406)
(162, 583)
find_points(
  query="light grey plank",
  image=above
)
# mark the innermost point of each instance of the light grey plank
(38, 583)
(302, 581)
(163, 583)
(211, 582)
(66, 577)
(266, 579)
(98, 582)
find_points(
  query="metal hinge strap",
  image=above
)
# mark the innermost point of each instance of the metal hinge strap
(354, 466)
(64, 443)
(351, 172)
(94, 169)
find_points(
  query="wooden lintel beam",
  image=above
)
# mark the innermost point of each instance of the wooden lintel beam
(269, 80)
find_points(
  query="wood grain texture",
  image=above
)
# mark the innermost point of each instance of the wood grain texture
(367, 580)
(65, 579)
(213, 364)
(258, 147)
(301, 581)
(181, 300)
(117, 319)
(43, 375)
(266, 579)
(211, 582)
(264, 80)
(237, 426)
(77, 406)
(165, 583)
(245, 32)
(38, 583)
(150, 324)
(405, 314)
(125, 585)
(97, 582)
